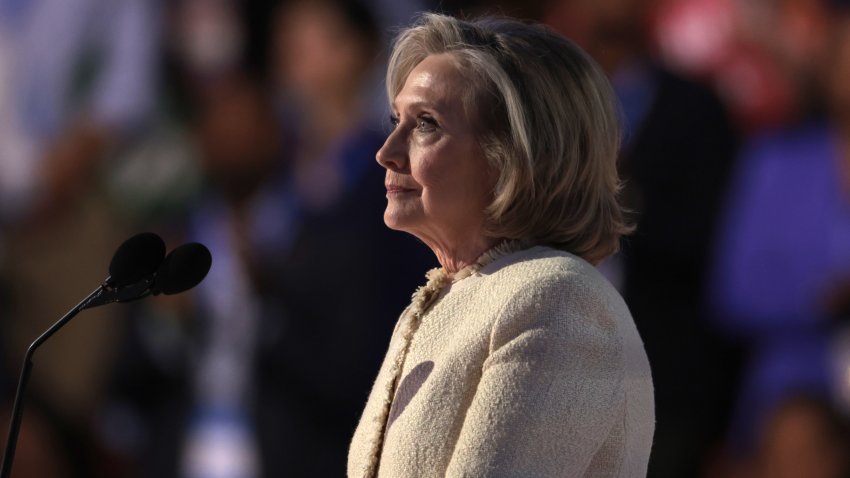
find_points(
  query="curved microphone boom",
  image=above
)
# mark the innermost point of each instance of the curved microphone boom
(138, 268)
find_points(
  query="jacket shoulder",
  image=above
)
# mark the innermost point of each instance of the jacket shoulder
(546, 270)
(556, 292)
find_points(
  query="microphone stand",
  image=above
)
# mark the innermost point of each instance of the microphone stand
(18, 408)
(193, 256)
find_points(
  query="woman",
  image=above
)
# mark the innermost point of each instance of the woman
(517, 358)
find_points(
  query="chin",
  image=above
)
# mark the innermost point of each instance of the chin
(393, 222)
(398, 220)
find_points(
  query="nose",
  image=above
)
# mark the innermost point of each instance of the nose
(393, 154)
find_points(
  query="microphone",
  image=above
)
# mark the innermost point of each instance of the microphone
(183, 268)
(138, 268)
(131, 270)
(136, 258)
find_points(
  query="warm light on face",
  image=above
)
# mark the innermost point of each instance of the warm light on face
(438, 183)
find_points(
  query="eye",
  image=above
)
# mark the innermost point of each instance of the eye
(393, 121)
(426, 123)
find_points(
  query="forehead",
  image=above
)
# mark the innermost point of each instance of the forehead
(436, 80)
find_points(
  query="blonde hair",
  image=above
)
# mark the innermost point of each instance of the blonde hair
(549, 127)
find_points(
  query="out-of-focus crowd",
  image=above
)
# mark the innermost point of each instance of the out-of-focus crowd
(251, 126)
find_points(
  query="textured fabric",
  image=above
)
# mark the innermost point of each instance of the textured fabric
(530, 367)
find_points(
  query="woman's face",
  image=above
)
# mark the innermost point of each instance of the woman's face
(438, 181)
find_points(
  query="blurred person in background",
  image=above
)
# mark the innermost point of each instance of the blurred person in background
(532, 10)
(733, 45)
(77, 79)
(77, 76)
(678, 146)
(803, 437)
(261, 375)
(782, 270)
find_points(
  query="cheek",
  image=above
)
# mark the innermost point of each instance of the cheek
(431, 172)
(454, 177)
(436, 170)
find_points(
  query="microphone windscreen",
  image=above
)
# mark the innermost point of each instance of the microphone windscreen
(136, 258)
(183, 268)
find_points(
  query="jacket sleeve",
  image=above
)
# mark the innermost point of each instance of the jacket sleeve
(551, 387)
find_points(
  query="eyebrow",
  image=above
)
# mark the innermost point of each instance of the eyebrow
(418, 104)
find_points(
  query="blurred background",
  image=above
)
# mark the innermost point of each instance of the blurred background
(251, 126)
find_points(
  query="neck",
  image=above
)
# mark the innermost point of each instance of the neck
(455, 258)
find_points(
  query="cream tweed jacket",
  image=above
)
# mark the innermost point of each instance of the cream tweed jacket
(527, 366)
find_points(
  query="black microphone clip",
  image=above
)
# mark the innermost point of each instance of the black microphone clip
(111, 294)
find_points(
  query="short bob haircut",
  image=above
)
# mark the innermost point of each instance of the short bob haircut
(549, 126)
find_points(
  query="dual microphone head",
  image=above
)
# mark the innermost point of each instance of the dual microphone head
(140, 268)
